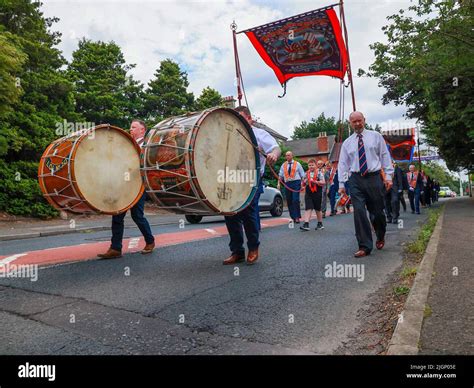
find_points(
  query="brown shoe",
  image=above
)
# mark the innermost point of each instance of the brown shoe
(380, 244)
(252, 256)
(110, 254)
(234, 258)
(361, 253)
(148, 248)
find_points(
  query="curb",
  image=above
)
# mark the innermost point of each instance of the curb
(85, 229)
(406, 336)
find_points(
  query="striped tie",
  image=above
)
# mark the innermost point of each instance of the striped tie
(362, 158)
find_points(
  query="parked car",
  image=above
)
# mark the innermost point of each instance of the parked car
(445, 191)
(271, 200)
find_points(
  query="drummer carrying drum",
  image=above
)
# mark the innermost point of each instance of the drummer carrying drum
(137, 131)
(248, 219)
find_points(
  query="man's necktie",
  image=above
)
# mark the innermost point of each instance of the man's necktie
(289, 168)
(362, 157)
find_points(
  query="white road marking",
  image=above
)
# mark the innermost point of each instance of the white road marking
(211, 231)
(133, 243)
(9, 259)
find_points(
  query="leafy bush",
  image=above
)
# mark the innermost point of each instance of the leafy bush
(20, 193)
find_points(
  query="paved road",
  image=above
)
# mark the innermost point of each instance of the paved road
(182, 300)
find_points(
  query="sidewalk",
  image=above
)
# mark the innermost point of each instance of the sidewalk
(448, 326)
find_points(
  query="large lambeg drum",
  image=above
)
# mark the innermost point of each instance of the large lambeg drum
(201, 163)
(92, 171)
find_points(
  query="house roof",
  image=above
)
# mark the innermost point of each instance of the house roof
(309, 146)
(272, 132)
(334, 156)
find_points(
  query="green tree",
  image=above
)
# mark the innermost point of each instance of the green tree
(103, 91)
(167, 93)
(11, 61)
(315, 126)
(427, 66)
(47, 99)
(209, 98)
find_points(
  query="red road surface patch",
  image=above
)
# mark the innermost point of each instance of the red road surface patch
(52, 256)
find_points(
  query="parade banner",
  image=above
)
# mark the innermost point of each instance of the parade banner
(307, 44)
(400, 144)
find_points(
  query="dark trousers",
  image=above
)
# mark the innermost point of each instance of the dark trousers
(138, 216)
(392, 203)
(414, 198)
(387, 198)
(293, 199)
(367, 194)
(395, 201)
(324, 202)
(248, 220)
(401, 198)
(332, 197)
(428, 197)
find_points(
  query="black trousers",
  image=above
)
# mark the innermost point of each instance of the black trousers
(392, 203)
(388, 204)
(367, 194)
(401, 197)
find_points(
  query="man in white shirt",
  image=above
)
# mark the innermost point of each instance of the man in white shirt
(291, 172)
(248, 219)
(137, 130)
(363, 155)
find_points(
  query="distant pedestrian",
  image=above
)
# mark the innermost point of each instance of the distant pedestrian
(291, 172)
(333, 188)
(323, 167)
(314, 184)
(415, 189)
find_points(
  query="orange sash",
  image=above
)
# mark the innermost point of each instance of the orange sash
(313, 186)
(292, 172)
(412, 182)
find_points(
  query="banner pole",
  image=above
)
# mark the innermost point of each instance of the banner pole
(233, 27)
(349, 67)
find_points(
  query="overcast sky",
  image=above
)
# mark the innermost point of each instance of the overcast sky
(196, 34)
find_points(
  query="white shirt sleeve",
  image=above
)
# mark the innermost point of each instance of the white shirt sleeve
(282, 173)
(300, 171)
(343, 165)
(266, 141)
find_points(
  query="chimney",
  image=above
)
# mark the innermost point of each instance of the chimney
(229, 102)
(322, 143)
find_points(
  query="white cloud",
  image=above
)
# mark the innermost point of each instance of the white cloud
(197, 35)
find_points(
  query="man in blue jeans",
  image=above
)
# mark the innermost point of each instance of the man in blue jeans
(248, 219)
(137, 130)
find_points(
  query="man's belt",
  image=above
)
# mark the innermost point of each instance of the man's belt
(367, 174)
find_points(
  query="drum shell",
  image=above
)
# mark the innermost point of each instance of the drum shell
(183, 167)
(63, 181)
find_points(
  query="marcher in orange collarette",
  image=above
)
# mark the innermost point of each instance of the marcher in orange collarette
(291, 172)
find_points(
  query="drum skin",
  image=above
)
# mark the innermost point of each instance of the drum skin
(183, 155)
(73, 169)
